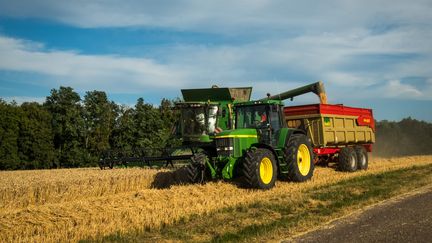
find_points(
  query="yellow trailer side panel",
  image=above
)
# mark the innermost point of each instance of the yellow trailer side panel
(332, 130)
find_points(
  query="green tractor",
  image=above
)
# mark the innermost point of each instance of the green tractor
(260, 147)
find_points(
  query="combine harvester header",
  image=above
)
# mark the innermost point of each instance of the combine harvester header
(203, 113)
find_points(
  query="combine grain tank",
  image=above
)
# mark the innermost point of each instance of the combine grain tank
(336, 131)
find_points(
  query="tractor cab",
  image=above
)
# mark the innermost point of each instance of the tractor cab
(264, 116)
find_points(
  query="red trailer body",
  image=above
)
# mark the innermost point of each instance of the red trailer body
(332, 127)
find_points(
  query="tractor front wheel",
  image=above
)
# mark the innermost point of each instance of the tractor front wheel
(259, 169)
(196, 169)
(299, 156)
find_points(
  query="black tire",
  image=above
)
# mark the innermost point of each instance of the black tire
(347, 160)
(101, 164)
(251, 169)
(111, 165)
(196, 169)
(296, 172)
(362, 157)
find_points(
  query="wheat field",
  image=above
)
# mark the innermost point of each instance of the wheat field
(71, 204)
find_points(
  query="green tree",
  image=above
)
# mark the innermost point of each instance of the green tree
(122, 137)
(9, 133)
(35, 143)
(148, 130)
(169, 117)
(99, 116)
(406, 137)
(68, 126)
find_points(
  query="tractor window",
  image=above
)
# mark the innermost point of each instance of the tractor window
(251, 116)
(275, 121)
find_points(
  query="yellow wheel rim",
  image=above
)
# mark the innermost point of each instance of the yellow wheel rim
(266, 170)
(303, 159)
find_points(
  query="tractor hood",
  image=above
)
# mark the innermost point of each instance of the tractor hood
(233, 143)
(238, 133)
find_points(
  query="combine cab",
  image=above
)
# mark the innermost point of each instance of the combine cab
(206, 112)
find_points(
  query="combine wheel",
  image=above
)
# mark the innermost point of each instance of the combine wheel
(111, 164)
(299, 156)
(259, 169)
(347, 159)
(101, 164)
(362, 157)
(196, 169)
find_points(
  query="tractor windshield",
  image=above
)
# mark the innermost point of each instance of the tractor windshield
(254, 116)
(199, 119)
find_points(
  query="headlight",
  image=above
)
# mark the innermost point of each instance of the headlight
(225, 148)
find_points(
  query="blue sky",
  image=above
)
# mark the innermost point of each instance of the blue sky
(375, 54)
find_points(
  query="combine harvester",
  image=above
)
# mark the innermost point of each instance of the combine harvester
(203, 113)
(270, 141)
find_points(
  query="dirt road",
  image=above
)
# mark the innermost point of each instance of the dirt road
(402, 220)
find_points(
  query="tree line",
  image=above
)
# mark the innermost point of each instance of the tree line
(67, 131)
(406, 137)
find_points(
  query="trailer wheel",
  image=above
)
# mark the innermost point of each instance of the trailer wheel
(299, 157)
(259, 169)
(196, 169)
(347, 159)
(362, 157)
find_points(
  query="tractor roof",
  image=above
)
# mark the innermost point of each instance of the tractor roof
(260, 102)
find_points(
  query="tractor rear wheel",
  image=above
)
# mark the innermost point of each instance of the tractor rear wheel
(299, 156)
(259, 169)
(347, 159)
(196, 169)
(362, 157)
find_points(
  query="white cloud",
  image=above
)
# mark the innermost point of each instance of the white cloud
(286, 44)
(113, 73)
(287, 62)
(394, 88)
(222, 16)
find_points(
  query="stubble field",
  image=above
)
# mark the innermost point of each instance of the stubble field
(73, 204)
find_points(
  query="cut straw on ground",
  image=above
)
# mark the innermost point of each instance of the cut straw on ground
(70, 205)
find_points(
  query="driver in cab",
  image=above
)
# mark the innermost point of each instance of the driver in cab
(263, 121)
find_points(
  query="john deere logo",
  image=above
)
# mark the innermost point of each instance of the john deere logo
(327, 122)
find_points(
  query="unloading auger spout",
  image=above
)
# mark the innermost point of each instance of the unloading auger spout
(316, 88)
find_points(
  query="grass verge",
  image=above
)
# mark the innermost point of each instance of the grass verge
(282, 216)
